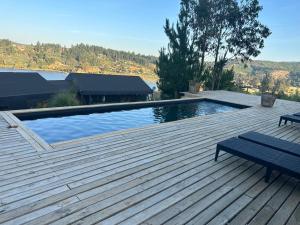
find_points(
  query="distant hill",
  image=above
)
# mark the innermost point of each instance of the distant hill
(95, 59)
(78, 58)
(289, 70)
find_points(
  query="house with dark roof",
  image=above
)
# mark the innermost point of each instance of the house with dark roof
(95, 88)
(23, 90)
(27, 90)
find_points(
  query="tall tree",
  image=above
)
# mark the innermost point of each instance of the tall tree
(179, 62)
(238, 33)
(202, 28)
(221, 30)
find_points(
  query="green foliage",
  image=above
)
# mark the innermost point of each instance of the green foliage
(290, 97)
(221, 29)
(64, 99)
(178, 64)
(237, 33)
(226, 80)
(167, 82)
(267, 83)
(294, 97)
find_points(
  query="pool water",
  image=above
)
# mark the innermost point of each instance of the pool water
(71, 127)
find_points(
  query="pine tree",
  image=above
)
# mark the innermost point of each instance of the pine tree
(179, 63)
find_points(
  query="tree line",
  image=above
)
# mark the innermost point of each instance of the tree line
(77, 55)
(208, 35)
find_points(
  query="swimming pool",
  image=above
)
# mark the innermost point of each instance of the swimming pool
(56, 129)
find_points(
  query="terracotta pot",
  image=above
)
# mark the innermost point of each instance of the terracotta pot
(267, 100)
(195, 87)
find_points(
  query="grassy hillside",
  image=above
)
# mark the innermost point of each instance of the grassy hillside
(78, 58)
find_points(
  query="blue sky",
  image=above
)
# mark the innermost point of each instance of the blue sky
(131, 25)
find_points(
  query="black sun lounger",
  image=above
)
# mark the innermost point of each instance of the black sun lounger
(291, 118)
(268, 157)
(275, 143)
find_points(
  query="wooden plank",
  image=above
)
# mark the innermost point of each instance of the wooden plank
(147, 175)
(287, 208)
(295, 217)
(273, 205)
(252, 209)
(29, 135)
(21, 131)
(141, 177)
(235, 207)
(97, 215)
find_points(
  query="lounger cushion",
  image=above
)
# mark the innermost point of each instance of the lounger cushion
(268, 157)
(275, 143)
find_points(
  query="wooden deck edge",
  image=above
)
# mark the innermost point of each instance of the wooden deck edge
(37, 142)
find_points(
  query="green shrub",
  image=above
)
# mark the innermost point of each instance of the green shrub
(294, 97)
(64, 99)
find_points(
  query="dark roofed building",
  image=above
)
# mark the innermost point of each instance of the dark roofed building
(19, 90)
(23, 90)
(94, 88)
(17, 84)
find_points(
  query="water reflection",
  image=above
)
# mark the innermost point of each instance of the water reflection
(71, 127)
(175, 112)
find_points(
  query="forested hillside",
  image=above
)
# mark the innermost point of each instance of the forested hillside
(95, 59)
(78, 58)
(288, 70)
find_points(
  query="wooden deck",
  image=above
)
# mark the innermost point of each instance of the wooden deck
(160, 174)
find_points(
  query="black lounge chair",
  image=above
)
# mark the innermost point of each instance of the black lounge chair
(296, 114)
(276, 143)
(271, 157)
(291, 118)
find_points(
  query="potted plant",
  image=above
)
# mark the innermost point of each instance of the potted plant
(195, 86)
(269, 88)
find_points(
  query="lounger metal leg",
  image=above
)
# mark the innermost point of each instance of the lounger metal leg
(268, 175)
(217, 154)
(280, 121)
(285, 122)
